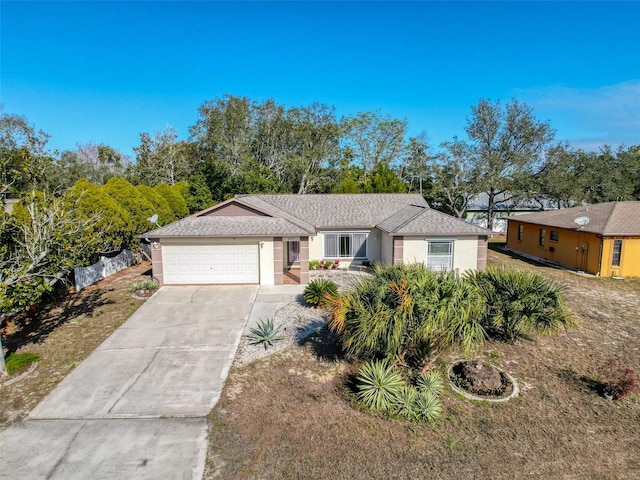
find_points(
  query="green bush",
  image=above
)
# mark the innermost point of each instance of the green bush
(160, 205)
(174, 198)
(378, 385)
(17, 361)
(146, 284)
(407, 312)
(519, 302)
(314, 264)
(317, 292)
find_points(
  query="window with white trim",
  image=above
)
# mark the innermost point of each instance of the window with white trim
(345, 245)
(440, 255)
(617, 253)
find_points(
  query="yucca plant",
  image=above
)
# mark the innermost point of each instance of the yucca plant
(405, 402)
(316, 292)
(265, 333)
(146, 284)
(378, 384)
(428, 407)
(430, 382)
(519, 302)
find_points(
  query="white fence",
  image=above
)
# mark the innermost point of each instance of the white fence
(86, 276)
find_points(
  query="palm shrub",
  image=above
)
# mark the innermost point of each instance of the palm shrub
(403, 313)
(378, 384)
(317, 290)
(519, 302)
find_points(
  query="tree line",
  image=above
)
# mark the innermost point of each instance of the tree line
(101, 199)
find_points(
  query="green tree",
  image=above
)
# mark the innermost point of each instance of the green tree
(160, 158)
(454, 183)
(175, 201)
(372, 138)
(559, 180)
(113, 223)
(138, 207)
(505, 147)
(195, 193)
(23, 159)
(160, 204)
(384, 180)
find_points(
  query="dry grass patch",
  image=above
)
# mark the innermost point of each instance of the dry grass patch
(289, 416)
(64, 334)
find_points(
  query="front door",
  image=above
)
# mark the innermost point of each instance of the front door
(293, 253)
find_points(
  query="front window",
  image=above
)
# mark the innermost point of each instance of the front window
(543, 234)
(520, 232)
(440, 255)
(345, 245)
(617, 253)
(554, 236)
(294, 252)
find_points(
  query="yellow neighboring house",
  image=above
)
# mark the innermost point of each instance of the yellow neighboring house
(602, 239)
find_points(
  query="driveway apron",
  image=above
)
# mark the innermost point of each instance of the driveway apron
(137, 406)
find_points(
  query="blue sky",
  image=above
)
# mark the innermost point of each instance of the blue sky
(108, 71)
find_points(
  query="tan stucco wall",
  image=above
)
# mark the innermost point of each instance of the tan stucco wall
(414, 250)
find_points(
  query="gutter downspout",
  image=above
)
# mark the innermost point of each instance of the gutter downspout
(600, 255)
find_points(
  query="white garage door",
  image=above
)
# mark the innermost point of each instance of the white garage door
(211, 264)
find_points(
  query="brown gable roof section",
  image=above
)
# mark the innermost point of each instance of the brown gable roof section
(612, 218)
(232, 209)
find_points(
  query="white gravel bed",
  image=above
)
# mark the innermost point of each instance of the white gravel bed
(297, 321)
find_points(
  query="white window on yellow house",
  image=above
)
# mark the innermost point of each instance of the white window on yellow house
(617, 253)
(440, 255)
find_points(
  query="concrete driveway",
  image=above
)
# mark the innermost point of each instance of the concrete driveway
(137, 406)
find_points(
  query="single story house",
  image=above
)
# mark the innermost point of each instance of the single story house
(260, 239)
(601, 239)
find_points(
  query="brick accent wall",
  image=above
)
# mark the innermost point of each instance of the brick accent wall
(482, 253)
(304, 260)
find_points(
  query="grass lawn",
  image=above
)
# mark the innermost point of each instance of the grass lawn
(63, 335)
(289, 417)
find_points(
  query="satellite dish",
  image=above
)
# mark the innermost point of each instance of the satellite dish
(154, 219)
(581, 221)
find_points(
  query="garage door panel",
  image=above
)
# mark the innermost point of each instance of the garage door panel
(211, 264)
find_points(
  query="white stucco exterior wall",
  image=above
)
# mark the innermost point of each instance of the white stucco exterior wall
(465, 254)
(266, 262)
(465, 251)
(386, 248)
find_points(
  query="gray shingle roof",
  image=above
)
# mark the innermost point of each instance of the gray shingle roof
(228, 227)
(342, 210)
(433, 222)
(300, 215)
(612, 218)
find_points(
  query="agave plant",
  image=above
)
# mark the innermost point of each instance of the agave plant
(428, 406)
(379, 384)
(265, 333)
(405, 402)
(430, 382)
(316, 292)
